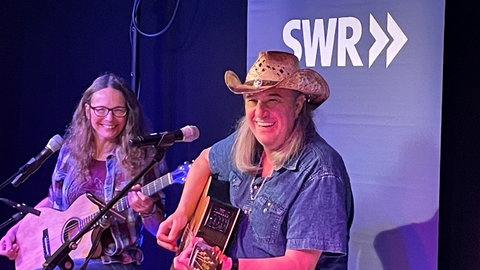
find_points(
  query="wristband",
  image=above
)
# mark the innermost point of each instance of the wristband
(154, 210)
(234, 264)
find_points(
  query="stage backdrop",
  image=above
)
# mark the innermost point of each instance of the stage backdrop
(383, 62)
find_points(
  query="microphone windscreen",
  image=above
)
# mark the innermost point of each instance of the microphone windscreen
(55, 143)
(190, 133)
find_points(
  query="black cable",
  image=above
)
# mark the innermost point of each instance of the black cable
(134, 20)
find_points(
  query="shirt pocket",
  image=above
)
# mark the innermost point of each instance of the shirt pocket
(237, 191)
(234, 180)
(266, 220)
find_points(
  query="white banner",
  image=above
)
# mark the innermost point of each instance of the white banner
(383, 62)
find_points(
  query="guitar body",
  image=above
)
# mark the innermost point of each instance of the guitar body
(40, 236)
(44, 234)
(214, 221)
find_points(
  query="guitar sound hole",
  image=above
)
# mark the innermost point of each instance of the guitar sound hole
(70, 229)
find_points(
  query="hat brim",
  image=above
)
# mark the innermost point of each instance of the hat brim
(236, 86)
(306, 81)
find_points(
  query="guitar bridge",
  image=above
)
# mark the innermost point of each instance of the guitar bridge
(47, 252)
(204, 257)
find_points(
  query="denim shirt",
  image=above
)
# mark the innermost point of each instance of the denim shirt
(306, 204)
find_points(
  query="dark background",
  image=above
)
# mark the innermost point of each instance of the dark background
(50, 51)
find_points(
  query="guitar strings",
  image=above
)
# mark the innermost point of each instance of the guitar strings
(72, 229)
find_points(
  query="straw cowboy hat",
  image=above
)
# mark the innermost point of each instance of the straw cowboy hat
(275, 69)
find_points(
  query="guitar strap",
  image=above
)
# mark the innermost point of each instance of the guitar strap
(108, 194)
(95, 242)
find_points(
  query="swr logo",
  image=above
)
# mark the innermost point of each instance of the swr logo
(349, 32)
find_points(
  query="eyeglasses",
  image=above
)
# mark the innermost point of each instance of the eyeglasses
(102, 111)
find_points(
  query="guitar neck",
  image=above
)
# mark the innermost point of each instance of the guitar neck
(149, 189)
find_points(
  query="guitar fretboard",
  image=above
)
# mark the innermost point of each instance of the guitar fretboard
(149, 189)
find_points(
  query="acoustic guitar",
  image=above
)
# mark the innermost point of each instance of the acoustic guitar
(40, 236)
(214, 220)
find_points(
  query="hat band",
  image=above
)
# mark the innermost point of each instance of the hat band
(259, 82)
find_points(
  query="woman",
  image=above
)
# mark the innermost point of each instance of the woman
(97, 158)
(292, 186)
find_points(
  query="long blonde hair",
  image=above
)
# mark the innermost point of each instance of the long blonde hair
(246, 149)
(79, 136)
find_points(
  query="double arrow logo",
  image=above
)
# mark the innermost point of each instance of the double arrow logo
(381, 40)
(318, 38)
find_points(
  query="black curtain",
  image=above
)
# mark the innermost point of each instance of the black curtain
(50, 51)
(459, 231)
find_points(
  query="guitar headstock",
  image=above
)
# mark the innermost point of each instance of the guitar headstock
(179, 175)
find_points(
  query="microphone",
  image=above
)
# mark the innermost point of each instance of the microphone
(165, 139)
(21, 207)
(34, 163)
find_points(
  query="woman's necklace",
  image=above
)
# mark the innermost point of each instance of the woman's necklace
(255, 189)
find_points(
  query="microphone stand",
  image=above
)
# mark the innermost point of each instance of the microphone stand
(4, 184)
(21, 207)
(61, 258)
(23, 210)
(11, 179)
(16, 217)
(14, 179)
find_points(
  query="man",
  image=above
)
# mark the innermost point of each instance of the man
(292, 187)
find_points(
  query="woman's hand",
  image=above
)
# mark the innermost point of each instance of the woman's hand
(140, 202)
(170, 230)
(181, 262)
(8, 247)
(199, 255)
